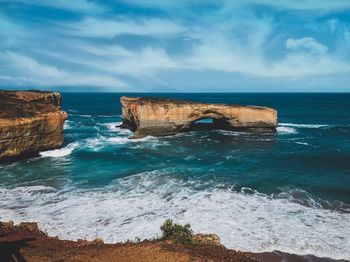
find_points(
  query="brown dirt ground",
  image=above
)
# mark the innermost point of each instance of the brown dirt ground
(27, 243)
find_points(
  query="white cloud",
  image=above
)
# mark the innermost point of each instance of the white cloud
(285, 4)
(114, 59)
(104, 28)
(91, 80)
(219, 52)
(105, 50)
(26, 71)
(71, 5)
(303, 64)
(306, 4)
(145, 62)
(214, 51)
(306, 44)
(31, 66)
(11, 34)
(225, 40)
(333, 23)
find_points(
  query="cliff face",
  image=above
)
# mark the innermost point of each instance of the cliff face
(30, 121)
(151, 116)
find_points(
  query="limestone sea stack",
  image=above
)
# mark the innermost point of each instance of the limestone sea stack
(162, 116)
(30, 122)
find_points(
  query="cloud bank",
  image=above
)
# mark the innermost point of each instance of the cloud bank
(133, 45)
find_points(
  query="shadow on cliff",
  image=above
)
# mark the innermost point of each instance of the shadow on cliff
(10, 250)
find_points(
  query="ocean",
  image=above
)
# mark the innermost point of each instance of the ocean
(287, 191)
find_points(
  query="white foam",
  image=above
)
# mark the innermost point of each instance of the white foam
(101, 141)
(120, 140)
(108, 116)
(74, 113)
(303, 125)
(126, 139)
(284, 130)
(114, 126)
(302, 143)
(67, 124)
(231, 133)
(290, 128)
(61, 152)
(80, 115)
(136, 206)
(94, 144)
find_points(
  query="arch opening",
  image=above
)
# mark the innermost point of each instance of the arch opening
(209, 123)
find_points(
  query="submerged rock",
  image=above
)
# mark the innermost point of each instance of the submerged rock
(159, 117)
(30, 122)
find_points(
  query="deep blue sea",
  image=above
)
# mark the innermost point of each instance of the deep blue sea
(287, 191)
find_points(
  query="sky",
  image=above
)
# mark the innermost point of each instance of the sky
(175, 46)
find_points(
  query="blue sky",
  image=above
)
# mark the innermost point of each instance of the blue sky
(176, 46)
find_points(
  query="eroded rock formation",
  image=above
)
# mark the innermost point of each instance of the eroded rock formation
(158, 117)
(30, 122)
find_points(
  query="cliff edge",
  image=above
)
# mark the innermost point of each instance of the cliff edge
(161, 116)
(25, 242)
(30, 122)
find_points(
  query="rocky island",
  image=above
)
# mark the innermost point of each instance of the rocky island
(162, 116)
(30, 122)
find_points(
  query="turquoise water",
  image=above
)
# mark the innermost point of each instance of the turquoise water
(288, 191)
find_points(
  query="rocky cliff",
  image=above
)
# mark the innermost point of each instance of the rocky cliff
(30, 121)
(154, 116)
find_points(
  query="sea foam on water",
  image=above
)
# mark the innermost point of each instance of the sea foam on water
(137, 205)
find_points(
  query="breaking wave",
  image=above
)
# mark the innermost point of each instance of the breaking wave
(114, 127)
(101, 141)
(302, 125)
(291, 128)
(65, 151)
(302, 143)
(286, 130)
(67, 124)
(137, 205)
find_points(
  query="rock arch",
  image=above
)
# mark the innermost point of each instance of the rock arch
(159, 117)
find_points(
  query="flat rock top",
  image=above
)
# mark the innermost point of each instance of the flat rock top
(167, 101)
(19, 104)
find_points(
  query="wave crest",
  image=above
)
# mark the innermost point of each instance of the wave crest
(286, 130)
(61, 152)
(302, 125)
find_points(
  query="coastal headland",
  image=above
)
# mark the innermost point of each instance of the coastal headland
(30, 122)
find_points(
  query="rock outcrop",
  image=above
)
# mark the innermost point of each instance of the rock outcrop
(30, 122)
(159, 117)
(208, 239)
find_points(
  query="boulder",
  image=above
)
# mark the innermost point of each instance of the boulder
(211, 239)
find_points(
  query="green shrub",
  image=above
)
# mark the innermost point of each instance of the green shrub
(177, 233)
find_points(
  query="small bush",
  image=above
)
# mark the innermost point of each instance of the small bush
(177, 233)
